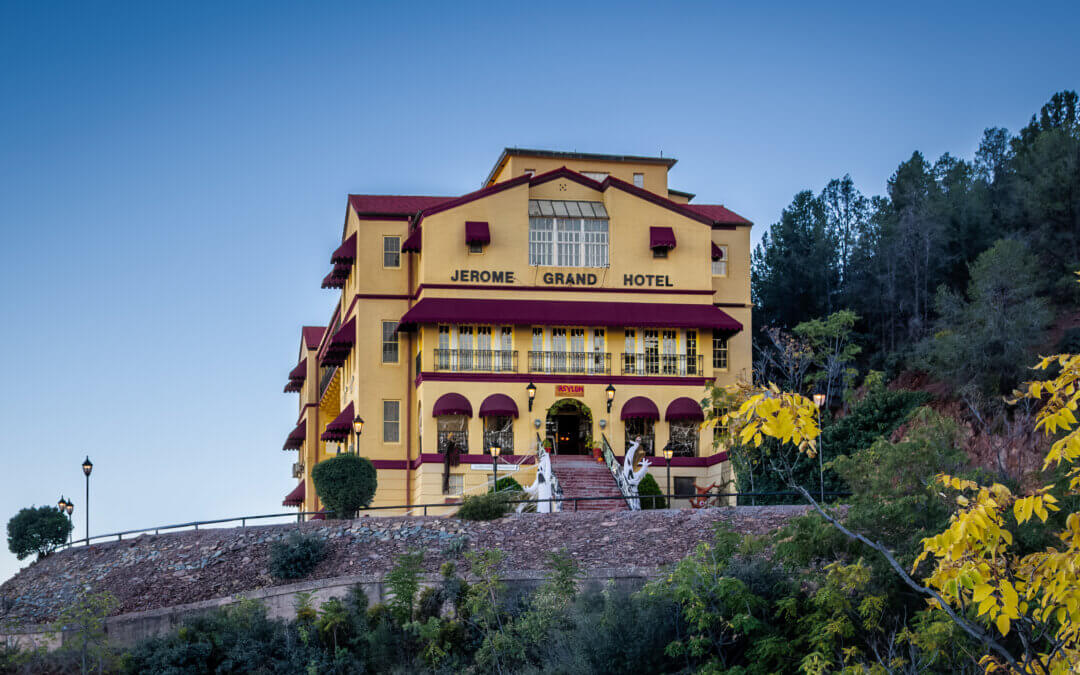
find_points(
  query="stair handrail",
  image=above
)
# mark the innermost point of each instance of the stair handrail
(556, 489)
(617, 474)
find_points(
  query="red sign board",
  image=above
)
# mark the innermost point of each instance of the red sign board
(569, 390)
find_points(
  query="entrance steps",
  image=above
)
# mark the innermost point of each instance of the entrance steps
(582, 476)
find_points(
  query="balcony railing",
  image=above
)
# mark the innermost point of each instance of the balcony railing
(662, 364)
(325, 376)
(476, 360)
(598, 363)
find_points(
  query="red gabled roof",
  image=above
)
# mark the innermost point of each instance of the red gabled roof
(313, 336)
(718, 214)
(392, 205)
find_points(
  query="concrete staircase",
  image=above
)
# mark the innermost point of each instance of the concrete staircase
(582, 476)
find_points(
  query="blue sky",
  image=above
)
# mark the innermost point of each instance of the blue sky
(173, 180)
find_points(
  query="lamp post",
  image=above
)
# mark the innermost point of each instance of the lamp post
(87, 467)
(610, 391)
(69, 507)
(819, 401)
(358, 428)
(531, 391)
(495, 450)
(668, 452)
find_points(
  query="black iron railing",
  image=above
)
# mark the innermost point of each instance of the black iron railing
(477, 360)
(709, 499)
(325, 377)
(598, 363)
(662, 364)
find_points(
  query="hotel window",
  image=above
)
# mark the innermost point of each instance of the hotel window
(639, 180)
(659, 252)
(597, 176)
(483, 347)
(670, 359)
(652, 351)
(455, 484)
(391, 256)
(506, 347)
(598, 347)
(464, 347)
(719, 351)
(452, 431)
(719, 430)
(476, 247)
(719, 267)
(442, 353)
(691, 353)
(499, 430)
(568, 233)
(638, 427)
(630, 357)
(389, 342)
(684, 438)
(557, 357)
(391, 418)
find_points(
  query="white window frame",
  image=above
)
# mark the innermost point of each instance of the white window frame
(719, 267)
(556, 241)
(393, 249)
(639, 180)
(385, 343)
(393, 405)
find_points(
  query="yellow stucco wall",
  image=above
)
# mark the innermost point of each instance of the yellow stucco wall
(375, 293)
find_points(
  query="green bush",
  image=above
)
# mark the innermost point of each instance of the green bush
(483, 507)
(296, 556)
(345, 483)
(507, 484)
(647, 487)
(37, 529)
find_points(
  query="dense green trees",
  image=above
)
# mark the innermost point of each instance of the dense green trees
(886, 257)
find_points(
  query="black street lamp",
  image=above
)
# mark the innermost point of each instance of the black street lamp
(62, 504)
(610, 391)
(87, 467)
(358, 428)
(69, 507)
(668, 452)
(531, 390)
(495, 450)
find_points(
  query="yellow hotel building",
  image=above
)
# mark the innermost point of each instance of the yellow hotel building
(575, 298)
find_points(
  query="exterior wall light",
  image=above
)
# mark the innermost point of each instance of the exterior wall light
(531, 390)
(495, 450)
(819, 400)
(358, 428)
(610, 391)
(62, 504)
(668, 452)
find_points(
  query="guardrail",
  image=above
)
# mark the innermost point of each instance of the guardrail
(195, 524)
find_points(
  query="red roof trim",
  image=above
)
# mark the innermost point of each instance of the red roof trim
(338, 430)
(471, 197)
(312, 335)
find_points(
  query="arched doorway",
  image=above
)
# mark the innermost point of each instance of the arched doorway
(569, 427)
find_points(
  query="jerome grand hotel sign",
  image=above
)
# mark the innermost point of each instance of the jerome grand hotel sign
(559, 278)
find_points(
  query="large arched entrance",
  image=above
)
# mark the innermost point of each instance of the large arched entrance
(569, 427)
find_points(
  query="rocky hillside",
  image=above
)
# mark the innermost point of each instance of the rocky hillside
(169, 569)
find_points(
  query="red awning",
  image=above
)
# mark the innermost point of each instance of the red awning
(477, 232)
(346, 253)
(337, 277)
(567, 313)
(717, 252)
(498, 405)
(412, 242)
(296, 377)
(296, 437)
(452, 404)
(639, 407)
(684, 408)
(338, 430)
(341, 344)
(296, 497)
(661, 237)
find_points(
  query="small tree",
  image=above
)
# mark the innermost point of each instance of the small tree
(37, 529)
(345, 483)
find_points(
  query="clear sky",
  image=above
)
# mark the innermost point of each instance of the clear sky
(173, 179)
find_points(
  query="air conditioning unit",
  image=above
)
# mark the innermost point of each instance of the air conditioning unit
(298, 470)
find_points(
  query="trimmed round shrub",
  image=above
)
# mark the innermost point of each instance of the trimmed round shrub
(37, 529)
(296, 556)
(507, 484)
(648, 487)
(489, 506)
(345, 484)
